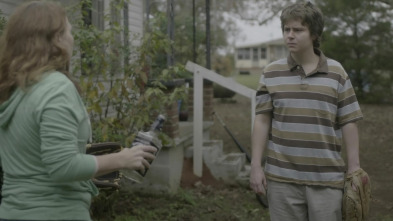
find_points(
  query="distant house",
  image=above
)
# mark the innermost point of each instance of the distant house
(252, 58)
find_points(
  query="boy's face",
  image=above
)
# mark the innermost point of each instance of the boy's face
(297, 37)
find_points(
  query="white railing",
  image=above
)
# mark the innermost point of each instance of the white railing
(201, 73)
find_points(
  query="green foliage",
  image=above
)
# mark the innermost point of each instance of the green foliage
(358, 34)
(3, 22)
(220, 27)
(222, 92)
(250, 81)
(223, 65)
(204, 203)
(114, 76)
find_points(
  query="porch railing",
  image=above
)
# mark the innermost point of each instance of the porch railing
(201, 73)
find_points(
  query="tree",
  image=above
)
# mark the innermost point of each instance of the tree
(183, 36)
(223, 25)
(359, 35)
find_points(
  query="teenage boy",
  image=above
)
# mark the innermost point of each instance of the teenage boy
(306, 108)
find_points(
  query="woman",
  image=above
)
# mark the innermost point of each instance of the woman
(44, 126)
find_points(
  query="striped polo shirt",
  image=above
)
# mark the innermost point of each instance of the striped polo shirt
(308, 112)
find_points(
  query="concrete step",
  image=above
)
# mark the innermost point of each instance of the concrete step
(243, 177)
(231, 167)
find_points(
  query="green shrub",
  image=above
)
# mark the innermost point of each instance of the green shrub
(114, 77)
(3, 22)
(222, 92)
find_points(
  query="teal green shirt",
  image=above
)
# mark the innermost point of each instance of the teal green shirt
(43, 134)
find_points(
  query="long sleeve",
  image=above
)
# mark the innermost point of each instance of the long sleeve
(64, 130)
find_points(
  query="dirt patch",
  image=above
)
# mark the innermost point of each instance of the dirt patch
(190, 180)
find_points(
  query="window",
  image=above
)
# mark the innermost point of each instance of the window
(263, 53)
(255, 56)
(243, 53)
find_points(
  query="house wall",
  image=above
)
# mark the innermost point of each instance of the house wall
(135, 12)
(254, 64)
(136, 20)
(8, 6)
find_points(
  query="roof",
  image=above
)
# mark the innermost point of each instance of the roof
(278, 41)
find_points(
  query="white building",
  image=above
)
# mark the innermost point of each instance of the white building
(252, 58)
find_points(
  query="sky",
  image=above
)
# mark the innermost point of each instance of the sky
(256, 34)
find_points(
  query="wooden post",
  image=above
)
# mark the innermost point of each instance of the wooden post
(198, 124)
(201, 73)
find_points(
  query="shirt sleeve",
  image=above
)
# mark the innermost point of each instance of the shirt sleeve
(263, 101)
(348, 109)
(61, 117)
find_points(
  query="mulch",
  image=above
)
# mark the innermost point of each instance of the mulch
(190, 180)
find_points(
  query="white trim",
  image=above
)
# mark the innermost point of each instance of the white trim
(201, 73)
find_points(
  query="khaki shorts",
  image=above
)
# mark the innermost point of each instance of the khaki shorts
(303, 203)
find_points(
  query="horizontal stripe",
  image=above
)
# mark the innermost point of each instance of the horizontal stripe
(335, 184)
(262, 111)
(279, 65)
(280, 79)
(319, 107)
(304, 128)
(347, 101)
(303, 167)
(304, 95)
(298, 140)
(334, 63)
(306, 112)
(323, 90)
(328, 81)
(262, 99)
(339, 70)
(303, 160)
(259, 93)
(301, 175)
(306, 152)
(270, 76)
(306, 144)
(349, 109)
(349, 119)
(303, 136)
(305, 139)
(303, 120)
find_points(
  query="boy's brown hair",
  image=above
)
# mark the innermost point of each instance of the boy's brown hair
(309, 15)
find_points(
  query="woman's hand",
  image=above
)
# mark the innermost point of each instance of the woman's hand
(137, 157)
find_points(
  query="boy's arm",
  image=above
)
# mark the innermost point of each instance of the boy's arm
(351, 141)
(260, 135)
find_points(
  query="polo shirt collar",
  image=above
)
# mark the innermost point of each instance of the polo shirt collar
(322, 64)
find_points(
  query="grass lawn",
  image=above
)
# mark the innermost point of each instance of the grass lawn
(250, 81)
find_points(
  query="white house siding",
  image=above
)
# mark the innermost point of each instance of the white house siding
(8, 6)
(135, 26)
(275, 50)
(135, 21)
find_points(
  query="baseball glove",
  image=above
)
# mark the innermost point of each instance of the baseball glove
(111, 180)
(356, 203)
